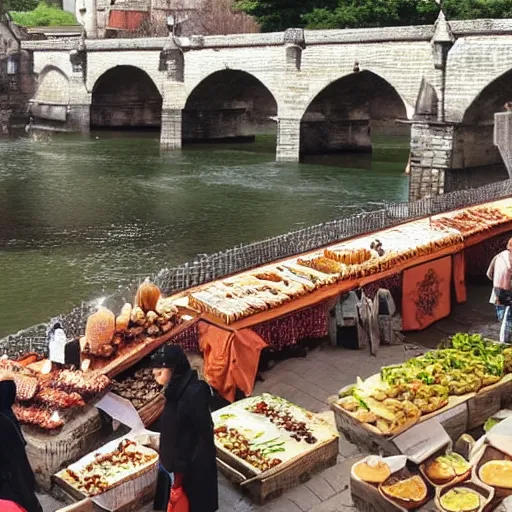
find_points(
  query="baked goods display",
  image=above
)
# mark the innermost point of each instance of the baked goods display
(106, 334)
(108, 468)
(265, 431)
(472, 220)
(140, 388)
(394, 400)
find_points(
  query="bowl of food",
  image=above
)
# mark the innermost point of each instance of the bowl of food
(446, 469)
(405, 489)
(494, 469)
(463, 497)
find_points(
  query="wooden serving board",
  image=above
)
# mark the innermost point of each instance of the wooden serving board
(132, 353)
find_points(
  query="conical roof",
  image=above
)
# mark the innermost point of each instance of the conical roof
(442, 31)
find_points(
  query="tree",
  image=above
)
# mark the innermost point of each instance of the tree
(277, 15)
(316, 14)
(19, 5)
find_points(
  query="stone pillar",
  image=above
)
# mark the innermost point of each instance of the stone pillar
(288, 140)
(90, 19)
(503, 137)
(170, 133)
(431, 158)
(79, 109)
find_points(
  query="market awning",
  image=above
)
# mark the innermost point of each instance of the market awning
(126, 20)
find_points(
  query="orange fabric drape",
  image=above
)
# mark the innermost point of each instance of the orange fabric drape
(426, 294)
(126, 20)
(459, 277)
(231, 358)
(178, 500)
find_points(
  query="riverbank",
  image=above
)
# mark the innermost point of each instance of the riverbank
(309, 381)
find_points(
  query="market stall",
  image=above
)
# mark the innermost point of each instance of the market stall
(267, 445)
(445, 480)
(459, 386)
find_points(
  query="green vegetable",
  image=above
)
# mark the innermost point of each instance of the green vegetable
(491, 422)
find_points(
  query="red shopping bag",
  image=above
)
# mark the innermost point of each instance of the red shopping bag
(10, 506)
(178, 501)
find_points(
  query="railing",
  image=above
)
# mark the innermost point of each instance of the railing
(205, 268)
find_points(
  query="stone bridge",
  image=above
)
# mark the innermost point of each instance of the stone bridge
(322, 91)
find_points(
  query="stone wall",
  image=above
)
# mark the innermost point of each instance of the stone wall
(16, 84)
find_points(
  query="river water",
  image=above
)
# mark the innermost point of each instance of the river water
(81, 215)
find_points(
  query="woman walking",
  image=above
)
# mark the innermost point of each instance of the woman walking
(17, 481)
(187, 449)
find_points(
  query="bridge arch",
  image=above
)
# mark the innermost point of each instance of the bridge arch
(53, 86)
(474, 141)
(229, 104)
(343, 115)
(125, 97)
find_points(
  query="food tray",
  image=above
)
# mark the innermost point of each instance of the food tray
(120, 489)
(490, 453)
(273, 483)
(298, 460)
(460, 415)
(484, 490)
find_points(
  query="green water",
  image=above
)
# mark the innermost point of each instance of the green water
(80, 216)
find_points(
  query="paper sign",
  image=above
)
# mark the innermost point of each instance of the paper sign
(121, 410)
(422, 441)
(500, 436)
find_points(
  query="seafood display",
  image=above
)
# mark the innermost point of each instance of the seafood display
(38, 417)
(85, 384)
(265, 431)
(140, 389)
(103, 471)
(397, 398)
(150, 316)
(41, 395)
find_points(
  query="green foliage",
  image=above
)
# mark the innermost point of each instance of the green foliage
(19, 5)
(317, 14)
(277, 15)
(43, 15)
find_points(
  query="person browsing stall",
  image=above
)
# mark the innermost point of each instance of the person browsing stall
(187, 449)
(500, 272)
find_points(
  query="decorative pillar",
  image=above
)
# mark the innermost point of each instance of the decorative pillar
(79, 109)
(288, 140)
(171, 131)
(431, 157)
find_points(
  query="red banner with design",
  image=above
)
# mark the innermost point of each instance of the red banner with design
(426, 294)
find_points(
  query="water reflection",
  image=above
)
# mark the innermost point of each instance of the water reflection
(80, 215)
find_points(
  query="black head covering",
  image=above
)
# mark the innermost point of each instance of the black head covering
(7, 397)
(173, 357)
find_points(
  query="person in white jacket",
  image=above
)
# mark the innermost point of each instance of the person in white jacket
(500, 272)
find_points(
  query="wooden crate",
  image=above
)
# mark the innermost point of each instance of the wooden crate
(485, 403)
(271, 484)
(453, 417)
(48, 453)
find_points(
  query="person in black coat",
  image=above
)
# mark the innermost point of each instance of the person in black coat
(187, 445)
(17, 481)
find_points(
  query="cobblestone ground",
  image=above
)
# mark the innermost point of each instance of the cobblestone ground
(310, 381)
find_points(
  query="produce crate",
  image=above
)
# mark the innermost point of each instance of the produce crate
(271, 484)
(453, 418)
(486, 403)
